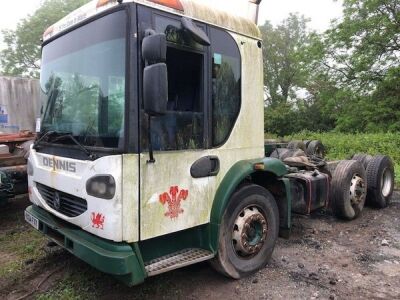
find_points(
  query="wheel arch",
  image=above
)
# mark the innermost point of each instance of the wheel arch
(266, 172)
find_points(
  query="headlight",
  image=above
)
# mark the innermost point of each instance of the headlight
(29, 168)
(101, 186)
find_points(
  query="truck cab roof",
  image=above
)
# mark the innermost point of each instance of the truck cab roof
(235, 17)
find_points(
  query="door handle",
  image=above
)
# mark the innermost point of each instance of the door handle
(205, 167)
(214, 170)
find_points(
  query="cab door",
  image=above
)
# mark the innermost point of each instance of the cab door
(174, 190)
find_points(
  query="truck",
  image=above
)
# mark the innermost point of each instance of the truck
(14, 151)
(150, 154)
(19, 104)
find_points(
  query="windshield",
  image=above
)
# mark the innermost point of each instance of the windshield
(83, 83)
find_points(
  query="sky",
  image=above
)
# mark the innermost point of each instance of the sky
(319, 11)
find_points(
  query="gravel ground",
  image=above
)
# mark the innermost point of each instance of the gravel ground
(324, 259)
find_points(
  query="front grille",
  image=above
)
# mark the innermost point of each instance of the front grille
(69, 205)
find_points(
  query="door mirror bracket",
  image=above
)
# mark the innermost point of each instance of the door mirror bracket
(195, 32)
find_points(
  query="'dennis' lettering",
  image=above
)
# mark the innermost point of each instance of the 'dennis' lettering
(59, 164)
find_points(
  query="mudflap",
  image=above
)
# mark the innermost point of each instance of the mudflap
(285, 209)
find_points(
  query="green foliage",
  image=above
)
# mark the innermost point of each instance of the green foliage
(364, 46)
(283, 72)
(343, 146)
(286, 76)
(22, 55)
(350, 74)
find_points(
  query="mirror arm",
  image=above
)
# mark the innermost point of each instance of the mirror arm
(151, 158)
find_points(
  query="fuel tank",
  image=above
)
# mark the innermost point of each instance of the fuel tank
(310, 191)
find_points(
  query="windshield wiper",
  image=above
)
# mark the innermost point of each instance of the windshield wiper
(83, 148)
(45, 135)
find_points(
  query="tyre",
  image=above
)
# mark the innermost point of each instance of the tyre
(280, 153)
(380, 176)
(297, 153)
(348, 189)
(316, 148)
(248, 232)
(306, 142)
(364, 159)
(294, 145)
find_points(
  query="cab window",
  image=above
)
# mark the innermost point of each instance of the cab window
(182, 127)
(226, 85)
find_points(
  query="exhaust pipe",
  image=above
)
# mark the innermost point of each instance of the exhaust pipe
(256, 3)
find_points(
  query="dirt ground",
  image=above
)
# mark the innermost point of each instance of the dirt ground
(324, 259)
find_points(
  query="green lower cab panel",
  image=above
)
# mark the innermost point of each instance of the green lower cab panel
(121, 260)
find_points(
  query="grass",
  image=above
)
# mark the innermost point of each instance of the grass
(79, 281)
(23, 245)
(69, 288)
(342, 146)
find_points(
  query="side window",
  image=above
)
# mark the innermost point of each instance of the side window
(226, 85)
(182, 127)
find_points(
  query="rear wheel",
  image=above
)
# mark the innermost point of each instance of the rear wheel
(283, 153)
(280, 153)
(248, 232)
(364, 159)
(316, 148)
(294, 145)
(348, 189)
(380, 176)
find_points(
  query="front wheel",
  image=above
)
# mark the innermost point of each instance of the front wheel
(248, 232)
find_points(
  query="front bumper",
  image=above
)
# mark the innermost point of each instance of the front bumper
(121, 260)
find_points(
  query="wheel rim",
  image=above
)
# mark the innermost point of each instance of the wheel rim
(386, 182)
(358, 190)
(249, 232)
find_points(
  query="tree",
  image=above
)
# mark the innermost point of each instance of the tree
(363, 47)
(22, 55)
(283, 70)
(293, 98)
(354, 67)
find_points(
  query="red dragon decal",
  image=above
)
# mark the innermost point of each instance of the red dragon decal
(97, 220)
(173, 199)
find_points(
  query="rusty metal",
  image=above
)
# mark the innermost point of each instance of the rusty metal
(13, 165)
(249, 232)
(21, 136)
(358, 190)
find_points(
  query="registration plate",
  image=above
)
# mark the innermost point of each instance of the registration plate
(32, 220)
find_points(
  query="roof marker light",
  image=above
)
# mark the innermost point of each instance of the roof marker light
(259, 166)
(49, 31)
(175, 4)
(101, 3)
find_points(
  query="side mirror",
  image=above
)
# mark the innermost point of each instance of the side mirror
(155, 89)
(154, 48)
(195, 32)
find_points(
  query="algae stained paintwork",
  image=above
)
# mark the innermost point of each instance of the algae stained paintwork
(195, 9)
(173, 168)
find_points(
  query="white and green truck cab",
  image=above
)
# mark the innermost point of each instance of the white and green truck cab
(150, 153)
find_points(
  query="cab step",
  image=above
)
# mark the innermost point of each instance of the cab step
(177, 260)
